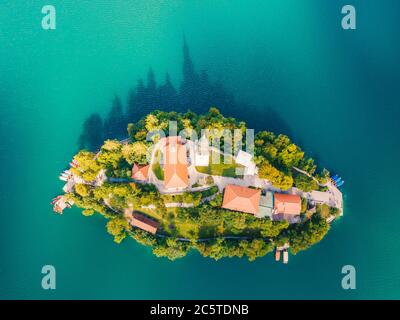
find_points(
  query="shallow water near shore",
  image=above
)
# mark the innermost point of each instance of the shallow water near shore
(335, 92)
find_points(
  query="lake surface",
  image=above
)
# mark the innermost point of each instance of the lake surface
(335, 92)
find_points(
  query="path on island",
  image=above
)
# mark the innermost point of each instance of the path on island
(309, 175)
(213, 238)
(336, 198)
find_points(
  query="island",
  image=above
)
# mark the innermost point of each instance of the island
(184, 181)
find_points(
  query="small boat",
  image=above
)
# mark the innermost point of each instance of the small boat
(277, 255)
(285, 257)
(340, 183)
(335, 182)
(58, 209)
(73, 163)
(55, 199)
(330, 219)
(338, 179)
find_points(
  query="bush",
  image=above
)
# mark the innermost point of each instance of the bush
(323, 210)
(217, 201)
(276, 177)
(334, 211)
(118, 227)
(304, 205)
(302, 236)
(305, 183)
(209, 180)
(88, 212)
(82, 189)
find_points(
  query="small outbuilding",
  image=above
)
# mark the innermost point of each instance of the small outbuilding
(140, 173)
(142, 222)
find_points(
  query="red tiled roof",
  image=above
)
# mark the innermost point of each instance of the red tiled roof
(242, 199)
(287, 204)
(140, 173)
(176, 173)
(144, 223)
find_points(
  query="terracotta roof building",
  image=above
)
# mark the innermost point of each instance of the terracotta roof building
(287, 204)
(140, 221)
(176, 175)
(242, 199)
(140, 173)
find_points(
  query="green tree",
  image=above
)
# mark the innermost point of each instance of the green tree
(152, 122)
(323, 177)
(290, 155)
(118, 227)
(304, 235)
(88, 212)
(276, 177)
(304, 205)
(255, 248)
(305, 183)
(143, 237)
(171, 248)
(82, 189)
(217, 201)
(110, 154)
(87, 168)
(334, 211)
(136, 152)
(140, 135)
(323, 210)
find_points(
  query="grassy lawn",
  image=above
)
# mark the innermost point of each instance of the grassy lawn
(221, 168)
(171, 224)
(186, 229)
(156, 167)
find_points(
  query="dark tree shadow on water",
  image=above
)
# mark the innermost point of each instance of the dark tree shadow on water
(92, 133)
(114, 124)
(196, 93)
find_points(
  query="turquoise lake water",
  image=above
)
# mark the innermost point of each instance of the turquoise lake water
(336, 93)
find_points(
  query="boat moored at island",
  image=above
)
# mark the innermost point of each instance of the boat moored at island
(277, 255)
(285, 256)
